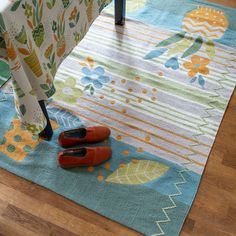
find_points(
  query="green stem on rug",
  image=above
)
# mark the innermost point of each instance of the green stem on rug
(90, 88)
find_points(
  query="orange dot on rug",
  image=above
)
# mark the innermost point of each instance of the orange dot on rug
(125, 152)
(100, 178)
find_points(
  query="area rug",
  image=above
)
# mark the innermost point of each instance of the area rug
(162, 91)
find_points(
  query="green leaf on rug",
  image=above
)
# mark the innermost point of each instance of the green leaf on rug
(174, 39)
(180, 47)
(194, 48)
(44, 86)
(15, 5)
(210, 49)
(138, 172)
(4, 70)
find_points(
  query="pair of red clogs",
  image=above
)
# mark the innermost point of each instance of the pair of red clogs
(85, 156)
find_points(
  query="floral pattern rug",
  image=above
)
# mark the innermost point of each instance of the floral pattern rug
(161, 90)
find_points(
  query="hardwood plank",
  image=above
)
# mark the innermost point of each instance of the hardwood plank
(205, 229)
(31, 222)
(227, 3)
(10, 228)
(28, 209)
(58, 216)
(41, 196)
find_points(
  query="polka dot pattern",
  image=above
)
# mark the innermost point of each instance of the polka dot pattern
(90, 169)
(11, 148)
(17, 138)
(119, 137)
(140, 149)
(125, 152)
(127, 100)
(147, 138)
(100, 178)
(122, 165)
(144, 91)
(107, 166)
(17, 142)
(27, 148)
(140, 100)
(3, 141)
(124, 111)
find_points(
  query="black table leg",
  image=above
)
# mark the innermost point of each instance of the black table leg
(48, 131)
(119, 20)
(120, 12)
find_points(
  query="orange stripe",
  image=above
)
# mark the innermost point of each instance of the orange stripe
(198, 30)
(146, 122)
(145, 131)
(129, 135)
(203, 25)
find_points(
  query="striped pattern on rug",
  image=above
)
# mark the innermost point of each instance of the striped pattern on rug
(145, 104)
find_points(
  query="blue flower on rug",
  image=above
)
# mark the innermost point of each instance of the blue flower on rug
(201, 80)
(172, 63)
(94, 78)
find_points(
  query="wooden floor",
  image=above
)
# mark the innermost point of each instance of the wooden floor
(27, 209)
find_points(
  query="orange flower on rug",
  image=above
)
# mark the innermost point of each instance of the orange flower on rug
(197, 65)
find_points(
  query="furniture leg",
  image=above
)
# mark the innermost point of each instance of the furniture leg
(48, 131)
(120, 12)
(119, 20)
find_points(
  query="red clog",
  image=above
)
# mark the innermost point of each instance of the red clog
(88, 156)
(74, 137)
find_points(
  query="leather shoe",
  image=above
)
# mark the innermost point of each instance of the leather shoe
(86, 156)
(74, 137)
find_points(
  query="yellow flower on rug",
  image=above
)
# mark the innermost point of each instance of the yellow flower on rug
(67, 91)
(18, 142)
(206, 22)
(197, 65)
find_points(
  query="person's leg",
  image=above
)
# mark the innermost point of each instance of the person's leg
(120, 12)
(47, 132)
